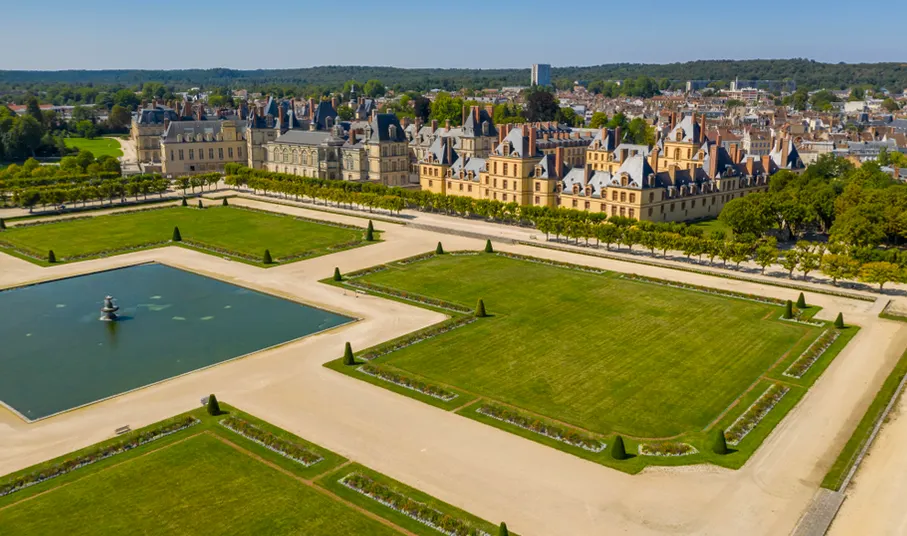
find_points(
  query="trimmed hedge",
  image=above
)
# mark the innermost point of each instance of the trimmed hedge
(272, 442)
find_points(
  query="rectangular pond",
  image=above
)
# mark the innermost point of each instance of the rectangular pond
(56, 354)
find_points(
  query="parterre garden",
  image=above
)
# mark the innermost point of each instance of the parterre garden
(575, 357)
(239, 233)
(218, 474)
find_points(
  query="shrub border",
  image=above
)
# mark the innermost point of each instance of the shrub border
(811, 360)
(652, 449)
(413, 385)
(705, 290)
(279, 440)
(753, 415)
(410, 339)
(513, 417)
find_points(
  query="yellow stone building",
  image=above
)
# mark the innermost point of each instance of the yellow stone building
(685, 176)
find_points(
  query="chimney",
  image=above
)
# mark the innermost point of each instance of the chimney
(447, 124)
(784, 152)
(434, 125)
(713, 160)
(617, 136)
(501, 135)
(532, 148)
(463, 115)
(166, 123)
(449, 146)
(489, 109)
(558, 161)
(281, 116)
(653, 159)
(311, 109)
(702, 130)
(475, 112)
(750, 166)
(767, 164)
(673, 119)
(199, 112)
(335, 102)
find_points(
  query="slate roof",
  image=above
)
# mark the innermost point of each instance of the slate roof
(439, 150)
(192, 128)
(155, 115)
(386, 127)
(466, 164)
(515, 144)
(472, 128)
(306, 137)
(689, 130)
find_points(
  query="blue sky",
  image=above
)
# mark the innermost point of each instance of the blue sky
(169, 34)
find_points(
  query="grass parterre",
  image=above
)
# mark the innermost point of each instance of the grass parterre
(600, 354)
(208, 479)
(227, 231)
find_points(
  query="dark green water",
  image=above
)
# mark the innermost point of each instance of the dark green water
(55, 353)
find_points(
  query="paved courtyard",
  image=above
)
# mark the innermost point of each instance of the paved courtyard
(491, 473)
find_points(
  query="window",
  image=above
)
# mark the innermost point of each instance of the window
(623, 211)
(496, 183)
(191, 154)
(230, 152)
(201, 154)
(651, 197)
(573, 203)
(171, 155)
(505, 169)
(220, 153)
(538, 187)
(431, 183)
(495, 168)
(448, 184)
(683, 205)
(650, 211)
(239, 152)
(468, 187)
(632, 198)
(623, 196)
(461, 186)
(210, 154)
(672, 207)
(632, 213)
(536, 200)
(614, 196)
(181, 154)
(505, 184)
(587, 205)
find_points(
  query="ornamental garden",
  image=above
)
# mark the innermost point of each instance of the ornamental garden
(218, 470)
(583, 360)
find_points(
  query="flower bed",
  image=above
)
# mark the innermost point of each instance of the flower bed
(366, 271)
(812, 354)
(281, 446)
(666, 449)
(408, 383)
(418, 336)
(804, 322)
(558, 264)
(413, 509)
(410, 296)
(416, 258)
(706, 290)
(96, 254)
(94, 456)
(755, 413)
(564, 435)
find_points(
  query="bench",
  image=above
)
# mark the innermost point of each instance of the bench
(123, 429)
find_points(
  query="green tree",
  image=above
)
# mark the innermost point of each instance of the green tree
(720, 446)
(488, 247)
(266, 258)
(541, 105)
(370, 232)
(790, 261)
(766, 255)
(599, 120)
(200, 205)
(618, 452)
(839, 321)
(502, 530)
(119, 118)
(212, 405)
(640, 132)
(439, 250)
(177, 237)
(224, 203)
(374, 89)
(890, 105)
(51, 258)
(568, 116)
(480, 309)
(337, 276)
(839, 267)
(446, 108)
(348, 358)
(881, 273)
(801, 301)
(2, 224)
(788, 310)
(809, 261)
(345, 113)
(184, 203)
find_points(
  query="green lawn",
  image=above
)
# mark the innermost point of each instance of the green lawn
(193, 482)
(237, 230)
(708, 226)
(97, 146)
(595, 351)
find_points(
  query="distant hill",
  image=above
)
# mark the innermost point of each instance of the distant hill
(804, 72)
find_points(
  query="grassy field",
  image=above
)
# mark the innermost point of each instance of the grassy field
(599, 352)
(209, 480)
(708, 226)
(227, 228)
(97, 146)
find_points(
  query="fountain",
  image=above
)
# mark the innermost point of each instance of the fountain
(109, 311)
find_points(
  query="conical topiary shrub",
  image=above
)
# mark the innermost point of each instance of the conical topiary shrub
(51, 257)
(337, 276)
(348, 358)
(212, 405)
(185, 203)
(618, 452)
(788, 310)
(720, 446)
(440, 249)
(480, 309)
(488, 248)
(224, 203)
(839, 321)
(2, 224)
(266, 258)
(801, 301)
(370, 232)
(502, 531)
(177, 237)
(200, 205)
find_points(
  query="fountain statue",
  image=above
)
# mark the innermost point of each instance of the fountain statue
(109, 311)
